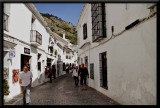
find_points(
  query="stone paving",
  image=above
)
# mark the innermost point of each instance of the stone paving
(62, 91)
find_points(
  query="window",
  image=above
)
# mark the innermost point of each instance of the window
(64, 66)
(86, 61)
(36, 37)
(51, 49)
(59, 58)
(33, 19)
(55, 53)
(84, 31)
(98, 21)
(92, 70)
(6, 15)
(39, 56)
(39, 63)
(39, 66)
(39, 38)
(103, 70)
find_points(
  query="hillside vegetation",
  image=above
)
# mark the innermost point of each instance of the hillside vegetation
(60, 26)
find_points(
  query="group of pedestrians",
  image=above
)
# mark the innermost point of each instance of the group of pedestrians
(81, 73)
(50, 72)
(25, 79)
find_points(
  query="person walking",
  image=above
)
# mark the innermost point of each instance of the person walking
(25, 81)
(28, 65)
(67, 69)
(46, 72)
(83, 72)
(75, 75)
(79, 68)
(54, 71)
(50, 74)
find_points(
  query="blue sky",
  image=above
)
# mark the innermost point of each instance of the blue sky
(69, 12)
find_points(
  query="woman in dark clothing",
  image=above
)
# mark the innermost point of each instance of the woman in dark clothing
(83, 72)
(50, 74)
(46, 71)
(54, 71)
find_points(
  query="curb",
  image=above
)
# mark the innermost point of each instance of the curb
(17, 101)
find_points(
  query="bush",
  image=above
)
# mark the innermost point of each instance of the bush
(6, 87)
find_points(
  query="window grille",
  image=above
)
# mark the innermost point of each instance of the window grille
(103, 70)
(98, 21)
(92, 70)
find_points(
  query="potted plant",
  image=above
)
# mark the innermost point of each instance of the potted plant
(5, 89)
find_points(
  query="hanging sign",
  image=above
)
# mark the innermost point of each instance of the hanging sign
(12, 53)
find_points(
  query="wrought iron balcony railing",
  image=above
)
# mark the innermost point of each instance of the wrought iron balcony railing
(36, 38)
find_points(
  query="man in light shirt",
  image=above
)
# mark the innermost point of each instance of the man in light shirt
(75, 75)
(25, 81)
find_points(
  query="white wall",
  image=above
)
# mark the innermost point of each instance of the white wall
(131, 57)
(134, 56)
(20, 22)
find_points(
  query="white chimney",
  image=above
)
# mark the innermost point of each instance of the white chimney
(64, 36)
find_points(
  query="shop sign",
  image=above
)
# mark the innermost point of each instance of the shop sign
(26, 50)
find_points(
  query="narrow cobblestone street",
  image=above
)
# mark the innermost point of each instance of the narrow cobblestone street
(62, 91)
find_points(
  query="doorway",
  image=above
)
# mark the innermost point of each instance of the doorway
(49, 62)
(25, 59)
(103, 70)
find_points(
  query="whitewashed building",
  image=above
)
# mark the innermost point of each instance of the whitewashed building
(66, 54)
(27, 35)
(117, 42)
(27, 40)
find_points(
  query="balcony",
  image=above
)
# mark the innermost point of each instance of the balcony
(36, 38)
(5, 22)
